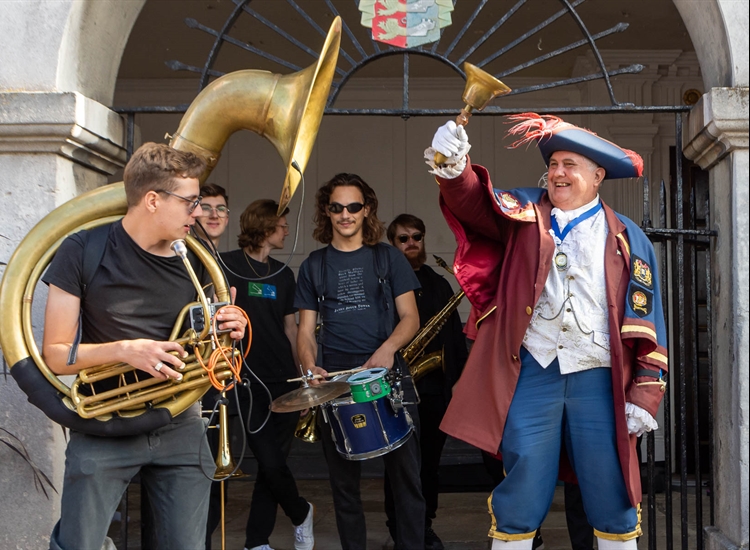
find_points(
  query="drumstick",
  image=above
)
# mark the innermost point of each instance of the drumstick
(330, 375)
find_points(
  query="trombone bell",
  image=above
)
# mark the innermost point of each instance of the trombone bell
(225, 465)
(307, 427)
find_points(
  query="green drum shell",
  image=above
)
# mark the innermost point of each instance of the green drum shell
(369, 385)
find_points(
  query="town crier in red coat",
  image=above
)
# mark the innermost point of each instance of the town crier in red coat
(570, 340)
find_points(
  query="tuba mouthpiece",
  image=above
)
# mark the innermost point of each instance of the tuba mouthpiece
(179, 248)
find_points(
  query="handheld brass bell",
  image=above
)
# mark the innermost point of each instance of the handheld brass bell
(481, 88)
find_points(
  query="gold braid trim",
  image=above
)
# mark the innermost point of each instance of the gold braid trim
(504, 536)
(624, 536)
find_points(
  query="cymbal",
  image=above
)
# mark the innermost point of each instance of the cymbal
(304, 398)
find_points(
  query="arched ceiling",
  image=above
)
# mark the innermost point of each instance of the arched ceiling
(160, 35)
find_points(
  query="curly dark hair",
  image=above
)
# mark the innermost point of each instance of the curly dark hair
(257, 223)
(372, 228)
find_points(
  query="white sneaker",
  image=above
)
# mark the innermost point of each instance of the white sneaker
(264, 547)
(303, 533)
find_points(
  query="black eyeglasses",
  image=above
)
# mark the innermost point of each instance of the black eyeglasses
(352, 207)
(194, 203)
(221, 211)
(403, 239)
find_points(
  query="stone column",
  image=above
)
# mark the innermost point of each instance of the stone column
(53, 146)
(716, 138)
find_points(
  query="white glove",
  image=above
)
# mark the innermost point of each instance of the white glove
(451, 141)
(640, 420)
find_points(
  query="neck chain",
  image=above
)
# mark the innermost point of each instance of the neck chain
(247, 259)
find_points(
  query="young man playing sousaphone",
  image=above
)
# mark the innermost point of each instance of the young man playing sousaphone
(571, 345)
(126, 314)
(368, 313)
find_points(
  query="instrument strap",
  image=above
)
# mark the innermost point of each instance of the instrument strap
(94, 244)
(317, 262)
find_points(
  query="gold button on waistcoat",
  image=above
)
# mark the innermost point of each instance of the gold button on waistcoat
(528, 310)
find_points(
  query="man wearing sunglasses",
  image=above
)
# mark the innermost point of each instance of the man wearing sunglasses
(407, 233)
(215, 214)
(356, 298)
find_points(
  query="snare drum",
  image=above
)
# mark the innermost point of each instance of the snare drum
(370, 428)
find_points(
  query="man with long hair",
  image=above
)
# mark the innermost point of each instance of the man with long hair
(266, 292)
(125, 313)
(357, 311)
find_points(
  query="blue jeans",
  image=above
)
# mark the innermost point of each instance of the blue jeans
(99, 469)
(547, 408)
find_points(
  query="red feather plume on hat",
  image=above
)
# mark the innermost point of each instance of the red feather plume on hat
(534, 127)
(537, 127)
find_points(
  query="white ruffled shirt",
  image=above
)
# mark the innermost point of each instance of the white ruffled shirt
(570, 321)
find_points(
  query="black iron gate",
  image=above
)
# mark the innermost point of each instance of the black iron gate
(681, 232)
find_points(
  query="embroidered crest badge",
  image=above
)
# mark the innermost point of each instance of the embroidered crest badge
(406, 23)
(508, 201)
(641, 272)
(641, 301)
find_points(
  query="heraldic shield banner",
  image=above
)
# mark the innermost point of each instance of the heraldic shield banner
(406, 23)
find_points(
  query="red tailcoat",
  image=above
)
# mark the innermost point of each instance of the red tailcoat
(503, 257)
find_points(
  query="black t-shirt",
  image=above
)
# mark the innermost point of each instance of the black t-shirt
(133, 293)
(266, 303)
(353, 308)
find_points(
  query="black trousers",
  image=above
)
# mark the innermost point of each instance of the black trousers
(431, 442)
(402, 467)
(275, 485)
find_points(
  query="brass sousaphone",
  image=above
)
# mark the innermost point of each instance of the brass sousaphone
(286, 110)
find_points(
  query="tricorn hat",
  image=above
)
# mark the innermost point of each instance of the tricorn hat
(554, 134)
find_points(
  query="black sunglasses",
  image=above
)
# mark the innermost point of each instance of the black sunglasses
(403, 239)
(352, 207)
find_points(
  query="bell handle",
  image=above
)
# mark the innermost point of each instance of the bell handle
(461, 120)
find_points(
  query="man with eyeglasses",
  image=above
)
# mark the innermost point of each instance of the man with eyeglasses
(125, 313)
(359, 303)
(215, 217)
(407, 233)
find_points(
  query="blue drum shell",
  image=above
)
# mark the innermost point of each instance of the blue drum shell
(367, 430)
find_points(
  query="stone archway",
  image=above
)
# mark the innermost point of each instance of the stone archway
(717, 139)
(58, 65)
(719, 31)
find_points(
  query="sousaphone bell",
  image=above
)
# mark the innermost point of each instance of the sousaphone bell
(284, 109)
